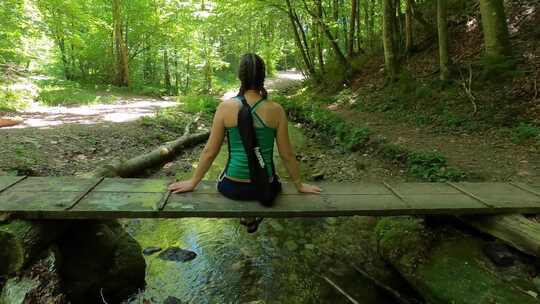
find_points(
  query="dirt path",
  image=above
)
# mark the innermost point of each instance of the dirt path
(489, 154)
(125, 110)
(75, 140)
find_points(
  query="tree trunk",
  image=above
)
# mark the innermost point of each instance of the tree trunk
(389, 14)
(333, 42)
(304, 40)
(176, 74)
(495, 28)
(155, 158)
(442, 26)
(122, 64)
(188, 73)
(409, 42)
(319, 31)
(309, 66)
(166, 72)
(352, 26)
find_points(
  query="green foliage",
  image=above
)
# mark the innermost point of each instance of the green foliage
(11, 100)
(356, 138)
(170, 119)
(393, 152)
(524, 132)
(66, 93)
(431, 166)
(498, 68)
(315, 114)
(199, 104)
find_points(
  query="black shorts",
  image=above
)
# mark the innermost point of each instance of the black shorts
(242, 191)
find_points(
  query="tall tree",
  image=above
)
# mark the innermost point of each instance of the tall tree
(442, 27)
(409, 43)
(495, 28)
(166, 71)
(389, 16)
(292, 17)
(319, 31)
(352, 26)
(122, 65)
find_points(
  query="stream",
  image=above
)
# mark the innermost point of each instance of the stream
(286, 261)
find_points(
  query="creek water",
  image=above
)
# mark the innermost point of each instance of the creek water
(286, 261)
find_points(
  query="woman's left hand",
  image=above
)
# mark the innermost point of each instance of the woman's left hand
(183, 186)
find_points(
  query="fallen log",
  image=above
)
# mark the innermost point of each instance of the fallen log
(124, 267)
(515, 230)
(446, 266)
(155, 158)
(22, 241)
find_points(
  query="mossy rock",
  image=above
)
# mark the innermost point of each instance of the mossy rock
(446, 266)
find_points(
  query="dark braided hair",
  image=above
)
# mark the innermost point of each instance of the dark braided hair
(252, 72)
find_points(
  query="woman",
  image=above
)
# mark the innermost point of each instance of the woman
(271, 126)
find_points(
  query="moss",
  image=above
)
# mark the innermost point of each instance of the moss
(403, 239)
(445, 266)
(437, 280)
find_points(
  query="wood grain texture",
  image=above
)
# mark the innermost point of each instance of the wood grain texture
(51, 197)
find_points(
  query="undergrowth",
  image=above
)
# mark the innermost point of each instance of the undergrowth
(523, 132)
(205, 104)
(11, 100)
(428, 166)
(66, 93)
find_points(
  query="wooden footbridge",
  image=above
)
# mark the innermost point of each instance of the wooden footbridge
(99, 198)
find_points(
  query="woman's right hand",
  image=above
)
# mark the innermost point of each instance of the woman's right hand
(183, 186)
(307, 188)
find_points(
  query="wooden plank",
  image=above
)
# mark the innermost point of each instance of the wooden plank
(333, 188)
(84, 194)
(423, 188)
(502, 195)
(527, 188)
(215, 205)
(115, 202)
(133, 185)
(456, 203)
(43, 201)
(54, 184)
(40, 197)
(9, 181)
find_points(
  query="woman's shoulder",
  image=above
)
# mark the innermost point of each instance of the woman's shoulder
(273, 105)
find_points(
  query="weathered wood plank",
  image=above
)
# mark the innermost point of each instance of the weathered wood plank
(47, 198)
(9, 181)
(54, 184)
(118, 202)
(502, 195)
(133, 185)
(15, 201)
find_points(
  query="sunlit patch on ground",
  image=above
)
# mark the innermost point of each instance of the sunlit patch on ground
(279, 81)
(38, 116)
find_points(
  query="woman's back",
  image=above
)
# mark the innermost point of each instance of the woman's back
(266, 117)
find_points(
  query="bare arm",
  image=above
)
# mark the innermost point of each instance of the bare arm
(208, 154)
(288, 156)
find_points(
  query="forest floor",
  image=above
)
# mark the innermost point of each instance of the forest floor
(488, 154)
(74, 140)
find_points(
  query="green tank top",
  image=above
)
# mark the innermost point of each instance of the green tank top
(237, 165)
